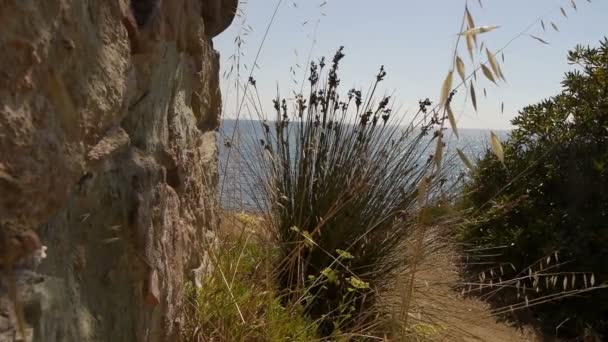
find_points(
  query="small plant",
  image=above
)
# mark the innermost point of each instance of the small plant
(238, 301)
(424, 332)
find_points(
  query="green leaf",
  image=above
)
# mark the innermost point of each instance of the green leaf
(344, 254)
(331, 275)
(308, 241)
(358, 283)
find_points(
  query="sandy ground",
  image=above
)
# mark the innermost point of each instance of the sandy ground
(447, 316)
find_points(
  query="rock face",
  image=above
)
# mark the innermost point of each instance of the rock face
(107, 150)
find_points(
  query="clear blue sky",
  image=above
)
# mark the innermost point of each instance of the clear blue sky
(415, 41)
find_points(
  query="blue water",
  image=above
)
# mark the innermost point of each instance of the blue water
(241, 189)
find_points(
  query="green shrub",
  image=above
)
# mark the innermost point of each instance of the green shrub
(342, 175)
(551, 194)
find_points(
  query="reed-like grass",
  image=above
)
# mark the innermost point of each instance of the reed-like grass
(342, 181)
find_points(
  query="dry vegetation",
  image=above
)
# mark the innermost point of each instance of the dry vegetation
(356, 233)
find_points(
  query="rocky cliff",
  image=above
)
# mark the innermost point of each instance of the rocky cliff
(107, 157)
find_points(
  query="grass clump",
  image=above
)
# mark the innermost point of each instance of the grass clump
(342, 178)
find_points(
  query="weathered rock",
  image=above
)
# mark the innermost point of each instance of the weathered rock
(107, 149)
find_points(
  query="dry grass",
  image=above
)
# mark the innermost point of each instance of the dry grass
(452, 316)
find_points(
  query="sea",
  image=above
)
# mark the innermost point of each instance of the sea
(241, 189)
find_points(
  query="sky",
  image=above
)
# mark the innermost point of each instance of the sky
(415, 42)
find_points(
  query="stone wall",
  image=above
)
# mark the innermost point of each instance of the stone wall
(108, 155)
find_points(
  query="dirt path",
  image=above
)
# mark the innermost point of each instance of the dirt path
(444, 315)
